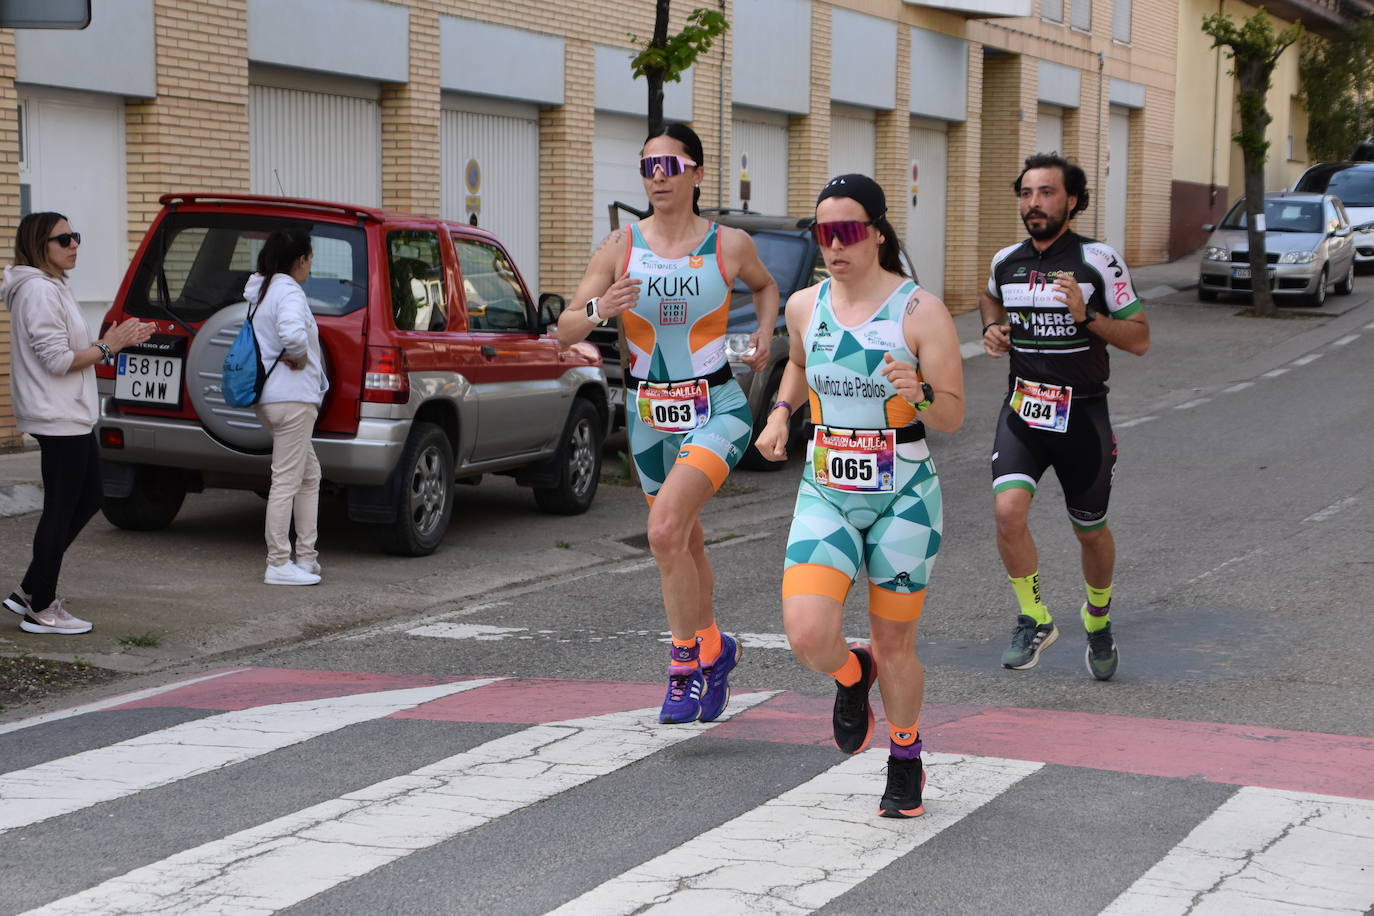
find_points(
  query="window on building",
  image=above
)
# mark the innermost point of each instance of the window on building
(417, 280)
(1121, 20)
(496, 301)
(1053, 10)
(1081, 14)
(1297, 130)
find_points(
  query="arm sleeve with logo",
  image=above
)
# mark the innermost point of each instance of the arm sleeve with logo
(1118, 293)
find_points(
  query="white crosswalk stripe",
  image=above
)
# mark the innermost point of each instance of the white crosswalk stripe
(303, 854)
(1265, 851)
(69, 784)
(804, 848)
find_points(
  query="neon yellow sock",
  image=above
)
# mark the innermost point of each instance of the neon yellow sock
(1027, 590)
(1094, 613)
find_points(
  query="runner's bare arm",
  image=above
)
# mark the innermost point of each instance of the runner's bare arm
(772, 442)
(740, 251)
(996, 333)
(600, 280)
(1131, 334)
(930, 334)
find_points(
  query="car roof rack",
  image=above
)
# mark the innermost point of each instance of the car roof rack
(300, 203)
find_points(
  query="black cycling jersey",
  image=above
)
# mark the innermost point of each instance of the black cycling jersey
(1046, 345)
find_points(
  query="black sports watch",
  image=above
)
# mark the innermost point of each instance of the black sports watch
(927, 397)
(1091, 316)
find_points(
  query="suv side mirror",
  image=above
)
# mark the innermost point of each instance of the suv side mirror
(551, 305)
(1341, 232)
(1208, 227)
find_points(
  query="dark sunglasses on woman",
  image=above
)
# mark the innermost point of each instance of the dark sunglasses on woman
(66, 239)
(671, 165)
(848, 231)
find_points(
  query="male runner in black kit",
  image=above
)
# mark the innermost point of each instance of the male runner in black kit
(1054, 302)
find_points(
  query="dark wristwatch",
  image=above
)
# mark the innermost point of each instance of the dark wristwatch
(927, 397)
(1091, 317)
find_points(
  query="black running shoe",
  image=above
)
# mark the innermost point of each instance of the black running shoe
(1029, 640)
(1101, 655)
(905, 781)
(853, 717)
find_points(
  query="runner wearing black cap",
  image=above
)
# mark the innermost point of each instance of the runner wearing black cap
(879, 359)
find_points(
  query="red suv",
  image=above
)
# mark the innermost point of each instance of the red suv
(440, 369)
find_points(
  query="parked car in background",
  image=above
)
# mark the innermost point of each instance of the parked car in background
(1353, 183)
(791, 255)
(1307, 243)
(440, 368)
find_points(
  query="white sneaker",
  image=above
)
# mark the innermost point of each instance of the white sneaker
(54, 619)
(289, 574)
(310, 566)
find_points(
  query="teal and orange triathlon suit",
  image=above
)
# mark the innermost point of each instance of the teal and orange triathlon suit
(869, 493)
(685, 405)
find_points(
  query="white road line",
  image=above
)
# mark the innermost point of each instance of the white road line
(293, 858)
(1240, 386)
(1309, 358)
(477, 631)
(1189, 405)
(1219, 567)
(1275, 373)
(1136, 422)
(158, 758)
(109, 702)
(1370, 326)
(1332, 509)
(1265, 851)
(1347, 339)
(804, 848)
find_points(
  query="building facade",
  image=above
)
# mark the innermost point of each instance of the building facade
(522, 115)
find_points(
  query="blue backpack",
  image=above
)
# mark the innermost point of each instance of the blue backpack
(244, 375)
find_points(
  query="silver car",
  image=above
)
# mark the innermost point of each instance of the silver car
(1307, 243)
(1353, 183)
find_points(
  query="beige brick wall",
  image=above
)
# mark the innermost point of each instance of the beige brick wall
(965, 270)
(712, 121)
(9, 220)
(410, 123)
(808, 135)
(194, 135)
(1008, 116)
(565, 146)
(892, 129)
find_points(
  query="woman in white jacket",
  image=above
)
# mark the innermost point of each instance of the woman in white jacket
(290, 402)
(52, 379)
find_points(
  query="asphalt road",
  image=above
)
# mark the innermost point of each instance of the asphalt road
(1243, 514)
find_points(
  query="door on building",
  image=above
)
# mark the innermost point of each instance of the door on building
(1118, 155)
(71, 159)
(1049, 129)
(759, 143)
(490, 169)
(321, 140)
(853, 139)
(615, 169)
(925, 234)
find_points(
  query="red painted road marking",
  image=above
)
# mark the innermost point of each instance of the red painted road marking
(1236, 754)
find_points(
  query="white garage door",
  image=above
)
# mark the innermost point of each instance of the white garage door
(615, 169)
(759, 141)
(72, 160)
(490, 166)
(305, 143)
(1049, 130)
(925, 234)
(852, 141)
(1118, 153)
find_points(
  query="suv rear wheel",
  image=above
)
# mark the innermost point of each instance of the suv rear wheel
(424, 497)
(153, 502)
(579, 464)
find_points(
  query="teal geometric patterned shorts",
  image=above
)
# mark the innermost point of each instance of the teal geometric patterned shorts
(896, 535)
(714, 448)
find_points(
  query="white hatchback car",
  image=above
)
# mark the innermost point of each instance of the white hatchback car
(1353, 183)
(1307, 242)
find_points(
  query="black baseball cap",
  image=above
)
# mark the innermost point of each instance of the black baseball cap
(857, 187)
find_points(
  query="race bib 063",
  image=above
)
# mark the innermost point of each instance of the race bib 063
(675, 408)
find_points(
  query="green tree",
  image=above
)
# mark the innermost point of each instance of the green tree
(666, 57)
(1255, 48)
(1336, 86)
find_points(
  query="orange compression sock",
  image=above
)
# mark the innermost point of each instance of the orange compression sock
(849, 673)
(710, 645)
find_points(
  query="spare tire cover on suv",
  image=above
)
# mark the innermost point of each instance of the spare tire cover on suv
(237, 427)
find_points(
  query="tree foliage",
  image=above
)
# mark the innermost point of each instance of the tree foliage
(1255, 48)
(1336, 86)
(666, 57)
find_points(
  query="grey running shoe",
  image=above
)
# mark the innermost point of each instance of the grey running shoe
(54, 619)
(1029, 640)
(1101, 655)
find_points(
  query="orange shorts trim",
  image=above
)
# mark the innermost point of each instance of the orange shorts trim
(815, 579)
(705, 461)
(902, 607)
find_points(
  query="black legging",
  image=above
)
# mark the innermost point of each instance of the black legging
(72, 494)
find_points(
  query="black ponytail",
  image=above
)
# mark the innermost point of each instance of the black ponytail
(280, 252)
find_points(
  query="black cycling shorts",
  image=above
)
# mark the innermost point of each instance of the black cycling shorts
(1083, 457)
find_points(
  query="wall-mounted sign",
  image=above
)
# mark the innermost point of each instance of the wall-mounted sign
(472, 177)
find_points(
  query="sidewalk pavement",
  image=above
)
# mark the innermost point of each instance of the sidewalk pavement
(21, 490)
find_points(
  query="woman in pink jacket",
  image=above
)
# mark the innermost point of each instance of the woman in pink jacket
(52, 379)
